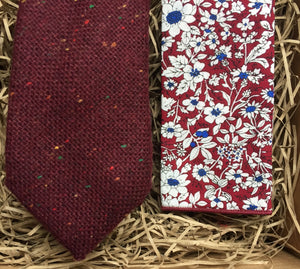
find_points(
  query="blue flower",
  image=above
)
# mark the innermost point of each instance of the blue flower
(194, 72)
(173, 182)
(217, 200)
(250, 109)
(216, 112)
(203, 134)
(257, 5)
(270, 93)
(194, 102)
(213, 17)
(258, 178)
(201, 172)
(174, 17)
(221, 56)
(252, 207)
(243, 75)
(237, 175)
(170, 84)
(170, 129)
(193, 144)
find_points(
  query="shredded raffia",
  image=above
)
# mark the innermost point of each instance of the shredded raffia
(149, 237)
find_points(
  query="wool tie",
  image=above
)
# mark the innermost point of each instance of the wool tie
(78, 151)
(217, 105)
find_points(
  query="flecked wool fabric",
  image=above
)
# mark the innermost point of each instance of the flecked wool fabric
(78, 150)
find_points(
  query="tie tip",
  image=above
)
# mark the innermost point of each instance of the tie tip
(79, 256)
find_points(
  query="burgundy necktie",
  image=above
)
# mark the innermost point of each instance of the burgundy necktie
(78, 152)
(217, 104)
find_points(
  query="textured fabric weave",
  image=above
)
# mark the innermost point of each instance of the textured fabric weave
(217, 105)
(78, 152)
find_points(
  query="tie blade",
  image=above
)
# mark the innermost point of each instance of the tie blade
(78, 150)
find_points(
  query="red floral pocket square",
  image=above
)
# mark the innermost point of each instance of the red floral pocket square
(217, 105)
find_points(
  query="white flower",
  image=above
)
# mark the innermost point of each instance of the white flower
(221, 55)
(250, 110)
(212, 41)
(207, 30)
(236, 175)
(240, 73)
(221, 3)
(236, 188)
(263, 7)
(181, 152)
(239, 55)
(194, 74)
(217, 201)
(216, 113)
(247, 93)
(246, 24)
(225, 33)
(214, 80)
(166, 43)
(264, 136)
(232, 206)
(255, 75)
(268, 95)
(169, 129)
(170, 84)
(198, 44)
(167, 103)
(212, 17)
(175, 17)
(203, 173)
(237, 38)
(192, 103)
(254, 204)
(169, 201)
(174, 183)
(237, 7)
(257, 180)
(244, 75)
(243, 186)
(184, 44)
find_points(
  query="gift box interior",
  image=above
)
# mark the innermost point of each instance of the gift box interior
(149, 237)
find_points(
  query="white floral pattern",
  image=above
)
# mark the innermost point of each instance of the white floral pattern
(217, 105)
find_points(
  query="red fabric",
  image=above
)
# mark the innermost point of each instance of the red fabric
(217, 105)
(78, 152)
